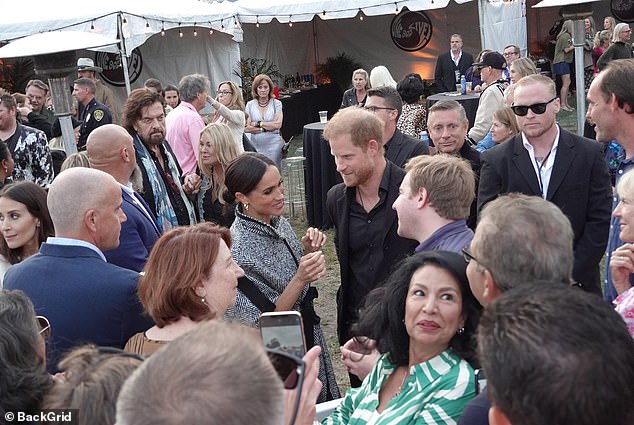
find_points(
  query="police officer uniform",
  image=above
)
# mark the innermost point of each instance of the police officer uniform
(94, 115)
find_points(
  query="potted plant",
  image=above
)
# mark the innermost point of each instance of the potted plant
(338, 70)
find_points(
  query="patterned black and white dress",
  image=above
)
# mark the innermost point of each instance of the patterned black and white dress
(268, 253)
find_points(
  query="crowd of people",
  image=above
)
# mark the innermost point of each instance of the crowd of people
(134, 275)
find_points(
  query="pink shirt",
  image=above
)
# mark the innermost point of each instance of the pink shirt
(183, 133)
(624, 304)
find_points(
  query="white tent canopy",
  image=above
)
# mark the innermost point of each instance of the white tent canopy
(139, 19)
(257, 11)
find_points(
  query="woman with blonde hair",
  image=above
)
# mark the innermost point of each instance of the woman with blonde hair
(229, 106)
(621, 47)
(215, 151)
(265, 119)
(357, 95)
(601, 44)
(522, 67)
(380, 76)
(504, 125)
(562, 61)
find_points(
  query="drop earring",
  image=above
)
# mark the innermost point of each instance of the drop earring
(246, 206)
(460, 331)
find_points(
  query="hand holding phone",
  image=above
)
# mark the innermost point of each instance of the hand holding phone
(283, 331)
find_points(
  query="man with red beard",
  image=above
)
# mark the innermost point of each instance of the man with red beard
(144, 118)
(546, 160)
(360, 208)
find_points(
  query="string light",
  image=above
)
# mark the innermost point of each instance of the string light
(290, 22)
(125, 21)
(324, 13)
(222, 24)
(180, 33)
(257, 21)
(162, 29)
(195, 32)
(211, 31)
(396, 11)
(360, 15)
(92, 25)
(147, 24)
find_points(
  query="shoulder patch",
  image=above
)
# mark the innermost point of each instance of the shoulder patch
(98, 115)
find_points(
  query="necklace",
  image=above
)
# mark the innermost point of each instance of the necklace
(400, 387)
(263, 105)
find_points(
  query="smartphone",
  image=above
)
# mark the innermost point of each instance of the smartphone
(283, 331)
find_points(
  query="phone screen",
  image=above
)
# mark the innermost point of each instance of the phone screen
(286, 337)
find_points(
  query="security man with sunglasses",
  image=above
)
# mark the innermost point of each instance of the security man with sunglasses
(548, 161)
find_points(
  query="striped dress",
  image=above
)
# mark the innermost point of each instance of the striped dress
(435, 393)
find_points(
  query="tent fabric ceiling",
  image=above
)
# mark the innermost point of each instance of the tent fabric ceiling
(144, 18)
(284, 11)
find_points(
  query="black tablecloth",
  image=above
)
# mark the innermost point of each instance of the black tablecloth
(320, 173)
(468, 101)
(303, 108)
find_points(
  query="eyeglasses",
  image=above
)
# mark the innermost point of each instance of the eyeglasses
(45, 326)
(537, 108)
(291, 371)
(223, 93)
(511, 53)
(468, 256)
(373, 109)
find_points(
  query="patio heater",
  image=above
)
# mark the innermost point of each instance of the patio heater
(53, 54)
(57, 66)
(577, 11)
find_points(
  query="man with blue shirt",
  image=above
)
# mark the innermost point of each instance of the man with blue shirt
(434, 202)
(86, 299)
(611, 109)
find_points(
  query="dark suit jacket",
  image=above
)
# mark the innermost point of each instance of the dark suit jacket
(395, 248)
(445, 73)
(579, 186)
(86, 299)
(138, 236)
(402, 147)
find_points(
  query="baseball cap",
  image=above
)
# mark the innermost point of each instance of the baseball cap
(493, 59)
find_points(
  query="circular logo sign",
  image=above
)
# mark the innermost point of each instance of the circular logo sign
(411, 31)
(112, 69)
(623, 10)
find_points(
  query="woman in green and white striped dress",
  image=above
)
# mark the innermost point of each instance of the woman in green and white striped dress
(422, 319)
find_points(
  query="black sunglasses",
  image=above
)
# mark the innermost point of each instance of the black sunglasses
(291, 371)
(537, 108)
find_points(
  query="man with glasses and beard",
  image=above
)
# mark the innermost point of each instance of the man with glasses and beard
(547, 161)
(144, 118)
(110, 149)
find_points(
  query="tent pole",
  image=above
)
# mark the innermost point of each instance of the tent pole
(578, 41)
(122, 53)
(315, 42)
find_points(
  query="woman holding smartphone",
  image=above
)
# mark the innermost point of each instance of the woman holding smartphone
(278, 266)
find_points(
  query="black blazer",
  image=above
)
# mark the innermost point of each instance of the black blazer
(402, 147)
(579, 186)
(445, 73)
(395, 247)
